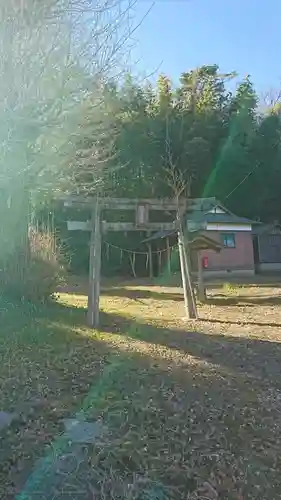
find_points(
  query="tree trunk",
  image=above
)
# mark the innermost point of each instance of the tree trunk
(15, 249)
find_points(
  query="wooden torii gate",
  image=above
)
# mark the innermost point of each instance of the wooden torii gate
(142, 209)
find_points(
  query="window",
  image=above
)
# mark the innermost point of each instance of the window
(228, 240)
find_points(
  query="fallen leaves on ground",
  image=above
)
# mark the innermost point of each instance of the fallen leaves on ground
(195, 412)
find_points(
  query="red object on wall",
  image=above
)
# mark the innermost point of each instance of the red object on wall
(239, 258)
(205, 262)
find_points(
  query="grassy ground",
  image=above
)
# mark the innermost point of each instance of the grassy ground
(191, 410)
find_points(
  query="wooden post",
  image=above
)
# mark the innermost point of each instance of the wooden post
(94, 268)
(201, 288)
(186, 253)
(150, 261)
(159, 262)
(189, 299)
(168, 255)
(132, 262)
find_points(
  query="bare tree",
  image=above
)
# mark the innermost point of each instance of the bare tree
(53, 55)
(270, 100)
(180, 182)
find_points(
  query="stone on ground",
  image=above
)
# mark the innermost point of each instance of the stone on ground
(6, 419)
(79, 431)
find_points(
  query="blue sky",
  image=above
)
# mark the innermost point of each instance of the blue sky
(241, 35)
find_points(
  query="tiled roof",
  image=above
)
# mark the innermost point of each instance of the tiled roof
(200, 214)
(224, 218)
(201, 211)
(197, 241)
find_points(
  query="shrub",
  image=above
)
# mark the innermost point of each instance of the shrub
(37, 276)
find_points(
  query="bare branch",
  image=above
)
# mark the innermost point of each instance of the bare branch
(53, 55)
(270, 99)
(174, 177)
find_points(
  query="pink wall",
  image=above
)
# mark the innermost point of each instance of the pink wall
(241, 257)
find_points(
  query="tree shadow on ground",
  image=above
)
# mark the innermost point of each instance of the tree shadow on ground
(256, 357)
(272, 324)
(163, 415)
(47, 367)
(80, 285)
(220, 300)
(142, 294)
(244, 300)
(167, 417)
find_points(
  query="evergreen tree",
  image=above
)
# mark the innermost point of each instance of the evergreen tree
(263, 186)
(234, 160)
